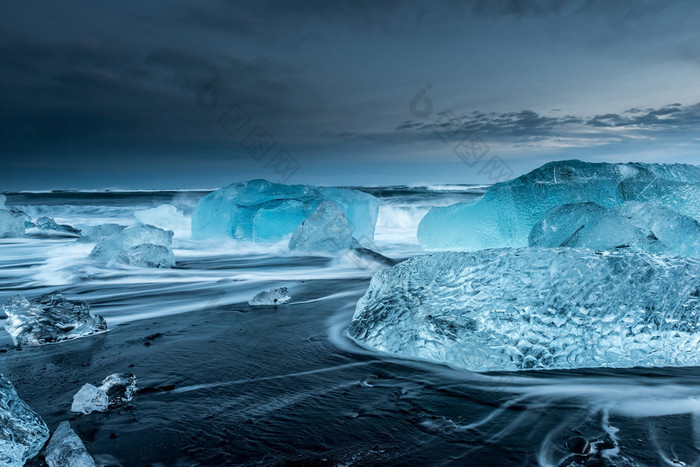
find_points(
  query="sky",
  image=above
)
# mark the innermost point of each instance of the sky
(191, 94)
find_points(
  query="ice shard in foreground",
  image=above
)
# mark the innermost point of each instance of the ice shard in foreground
(504, 216)
(271, 297)
(535, 308)
(67, 449)
(22, 432)
(261, 211)
(49, 318)
(140, 245)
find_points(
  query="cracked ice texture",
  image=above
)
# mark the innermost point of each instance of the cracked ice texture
(119, 388)
(325, 230)
(67, 449)
(49, 318)
(261, 211)
(22, 432)
(504, 216)
(140, 245)
(638, 226)
(535, 308)
(89, 399)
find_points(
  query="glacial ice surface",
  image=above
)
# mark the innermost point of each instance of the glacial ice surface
(119, 387)
(325, 230)
(49, 318)
(67, 449)
(535, 308)
(271, 297)
(22, 432)
(89, 399)
(47, 223)
(504, 216)
(12, 223)
(140, 245)
(634, 225)
(261, 211)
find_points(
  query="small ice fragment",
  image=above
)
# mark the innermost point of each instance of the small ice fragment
(271, 297)
(141, 245)
(49, 318)
(22, 432)
(119, 387)
(47, 223)
(90, 399)
(326, 230)
(67, 449)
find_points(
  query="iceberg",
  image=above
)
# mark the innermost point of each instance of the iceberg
(535, 308)
(638, 226)
(67, 449)
(261, 211)
(119, 388)
(325, 230)
(506, 214)
(47, 223)
(12, 223)
(141, 245)
(89, 399)
(49, 318)
(22, 432)
(271, 297)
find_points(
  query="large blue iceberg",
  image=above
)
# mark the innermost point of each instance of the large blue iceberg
(261, 211)
(506, 214)
(535, 308)
(632, 225)
(22, 432)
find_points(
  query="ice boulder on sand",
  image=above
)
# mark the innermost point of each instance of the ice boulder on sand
(67, 449)
(535, 308)
(22, 432)
(261, 211)
(633, 225)
(90, 399)
(141, 245)
(49, 318)
(271, 297)
(12, 223)
(116, 389)
(504, 216)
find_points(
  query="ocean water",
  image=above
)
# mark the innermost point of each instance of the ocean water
(223, 383)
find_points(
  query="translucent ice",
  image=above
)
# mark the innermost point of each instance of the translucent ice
(325, 230)
(165, 216)
(67, 449)
(262, 211)
(22, 432)
(49, 318)
(535, 308)
(638, 226)
(119, 387)
(94, 233)
(271, 297)
(3, 198)
(90, 399)
(12, 223)
(504, 216)
(141, 245)
(46, 223)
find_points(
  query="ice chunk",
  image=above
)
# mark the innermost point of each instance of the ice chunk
(165, 216)
(141, 245)
(638, 226)
(46, 223)
(325, 230)
(49, 318)
(271, 297)
(22, 432)
(119, 387)
(504, 216)
(262, 211)
(90, 399)
(67, 449)
(3, 198)
(93, 233)
(12, 223)
(535, 308)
